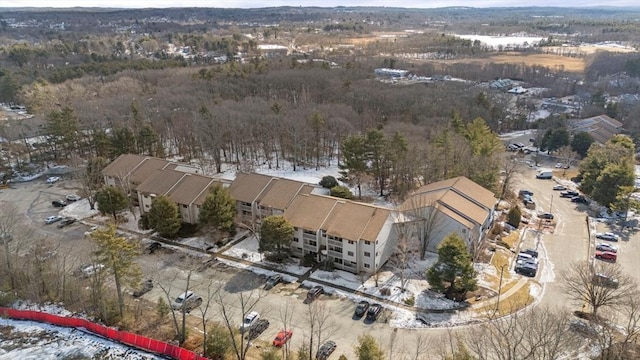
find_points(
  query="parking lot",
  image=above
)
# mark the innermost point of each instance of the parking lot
(569, 239)
(171, 267)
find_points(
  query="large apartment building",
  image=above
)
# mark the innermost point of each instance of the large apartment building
(354, 236)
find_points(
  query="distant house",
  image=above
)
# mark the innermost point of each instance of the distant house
(601, 127)
(393, 73)
(461, 206)
(501, 84)
(518, 90)
(354, 236)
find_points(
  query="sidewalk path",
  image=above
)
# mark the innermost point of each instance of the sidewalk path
(504, 296)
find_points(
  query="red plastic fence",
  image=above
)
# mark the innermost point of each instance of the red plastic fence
(138, 341)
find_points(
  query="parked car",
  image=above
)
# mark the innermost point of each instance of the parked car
(52, 179)
(373, 312)
(272, 281)
(607, 236)
(313, 294)
(52, 219)
(58, 203)
(531, 252)
(153, 247)
(527, 269)
(606, 247)
(546, 216)
(361, 309)
(562, 166)
(88, 270)
(145, 287)
(606, 255)
(326, 350)
(605, 280)
(559, 188)
(73, 197)
(187, 301)
(260, 326)
(569, 194)
(66, 222)
(282, 337)
(526, 257)
(524, 193)
(584, 328)
(249, 321)
(579, 199)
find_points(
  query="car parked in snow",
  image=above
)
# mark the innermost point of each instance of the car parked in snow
(52, 179)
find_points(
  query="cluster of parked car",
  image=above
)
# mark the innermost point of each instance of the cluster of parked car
(371, 312)
(606, 251)
(527, 263)
(573, 195)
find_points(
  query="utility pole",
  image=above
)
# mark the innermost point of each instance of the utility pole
(500, 286)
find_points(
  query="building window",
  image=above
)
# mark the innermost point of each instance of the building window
(185, 206)
(367, 242)
(295, 239)
(309, 232)
(350, 253)
(351, 242)
(367, 266)
(146, 206)
(313, 243)
(337, 260)
(367, 254)
(464, 231)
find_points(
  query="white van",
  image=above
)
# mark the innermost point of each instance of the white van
(544, 174)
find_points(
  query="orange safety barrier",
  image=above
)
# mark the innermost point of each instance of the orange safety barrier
(127, 338)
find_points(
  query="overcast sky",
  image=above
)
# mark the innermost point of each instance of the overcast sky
(323, 3)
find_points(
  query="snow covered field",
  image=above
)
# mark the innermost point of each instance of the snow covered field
(27, 340)
(497, 41)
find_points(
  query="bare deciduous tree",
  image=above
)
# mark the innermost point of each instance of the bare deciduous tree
(244, 303)
(539, 333)
(428, 222)
(578, 283)
(320, 326)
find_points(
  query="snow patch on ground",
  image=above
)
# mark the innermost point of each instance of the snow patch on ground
(31, 340)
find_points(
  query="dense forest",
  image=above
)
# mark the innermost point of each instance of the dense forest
(119, 88)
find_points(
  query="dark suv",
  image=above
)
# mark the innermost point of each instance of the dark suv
(58, 203)
(313, 294)
(373, 312)
(361, 309)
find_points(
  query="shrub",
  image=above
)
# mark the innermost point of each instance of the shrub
(341, 192)
(410, 301)
(143, 222)
(328, 182)
(514, 216)
(308, 260)
(277, 256)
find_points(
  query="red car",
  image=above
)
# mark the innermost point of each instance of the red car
(282, 337)
(606, 255)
